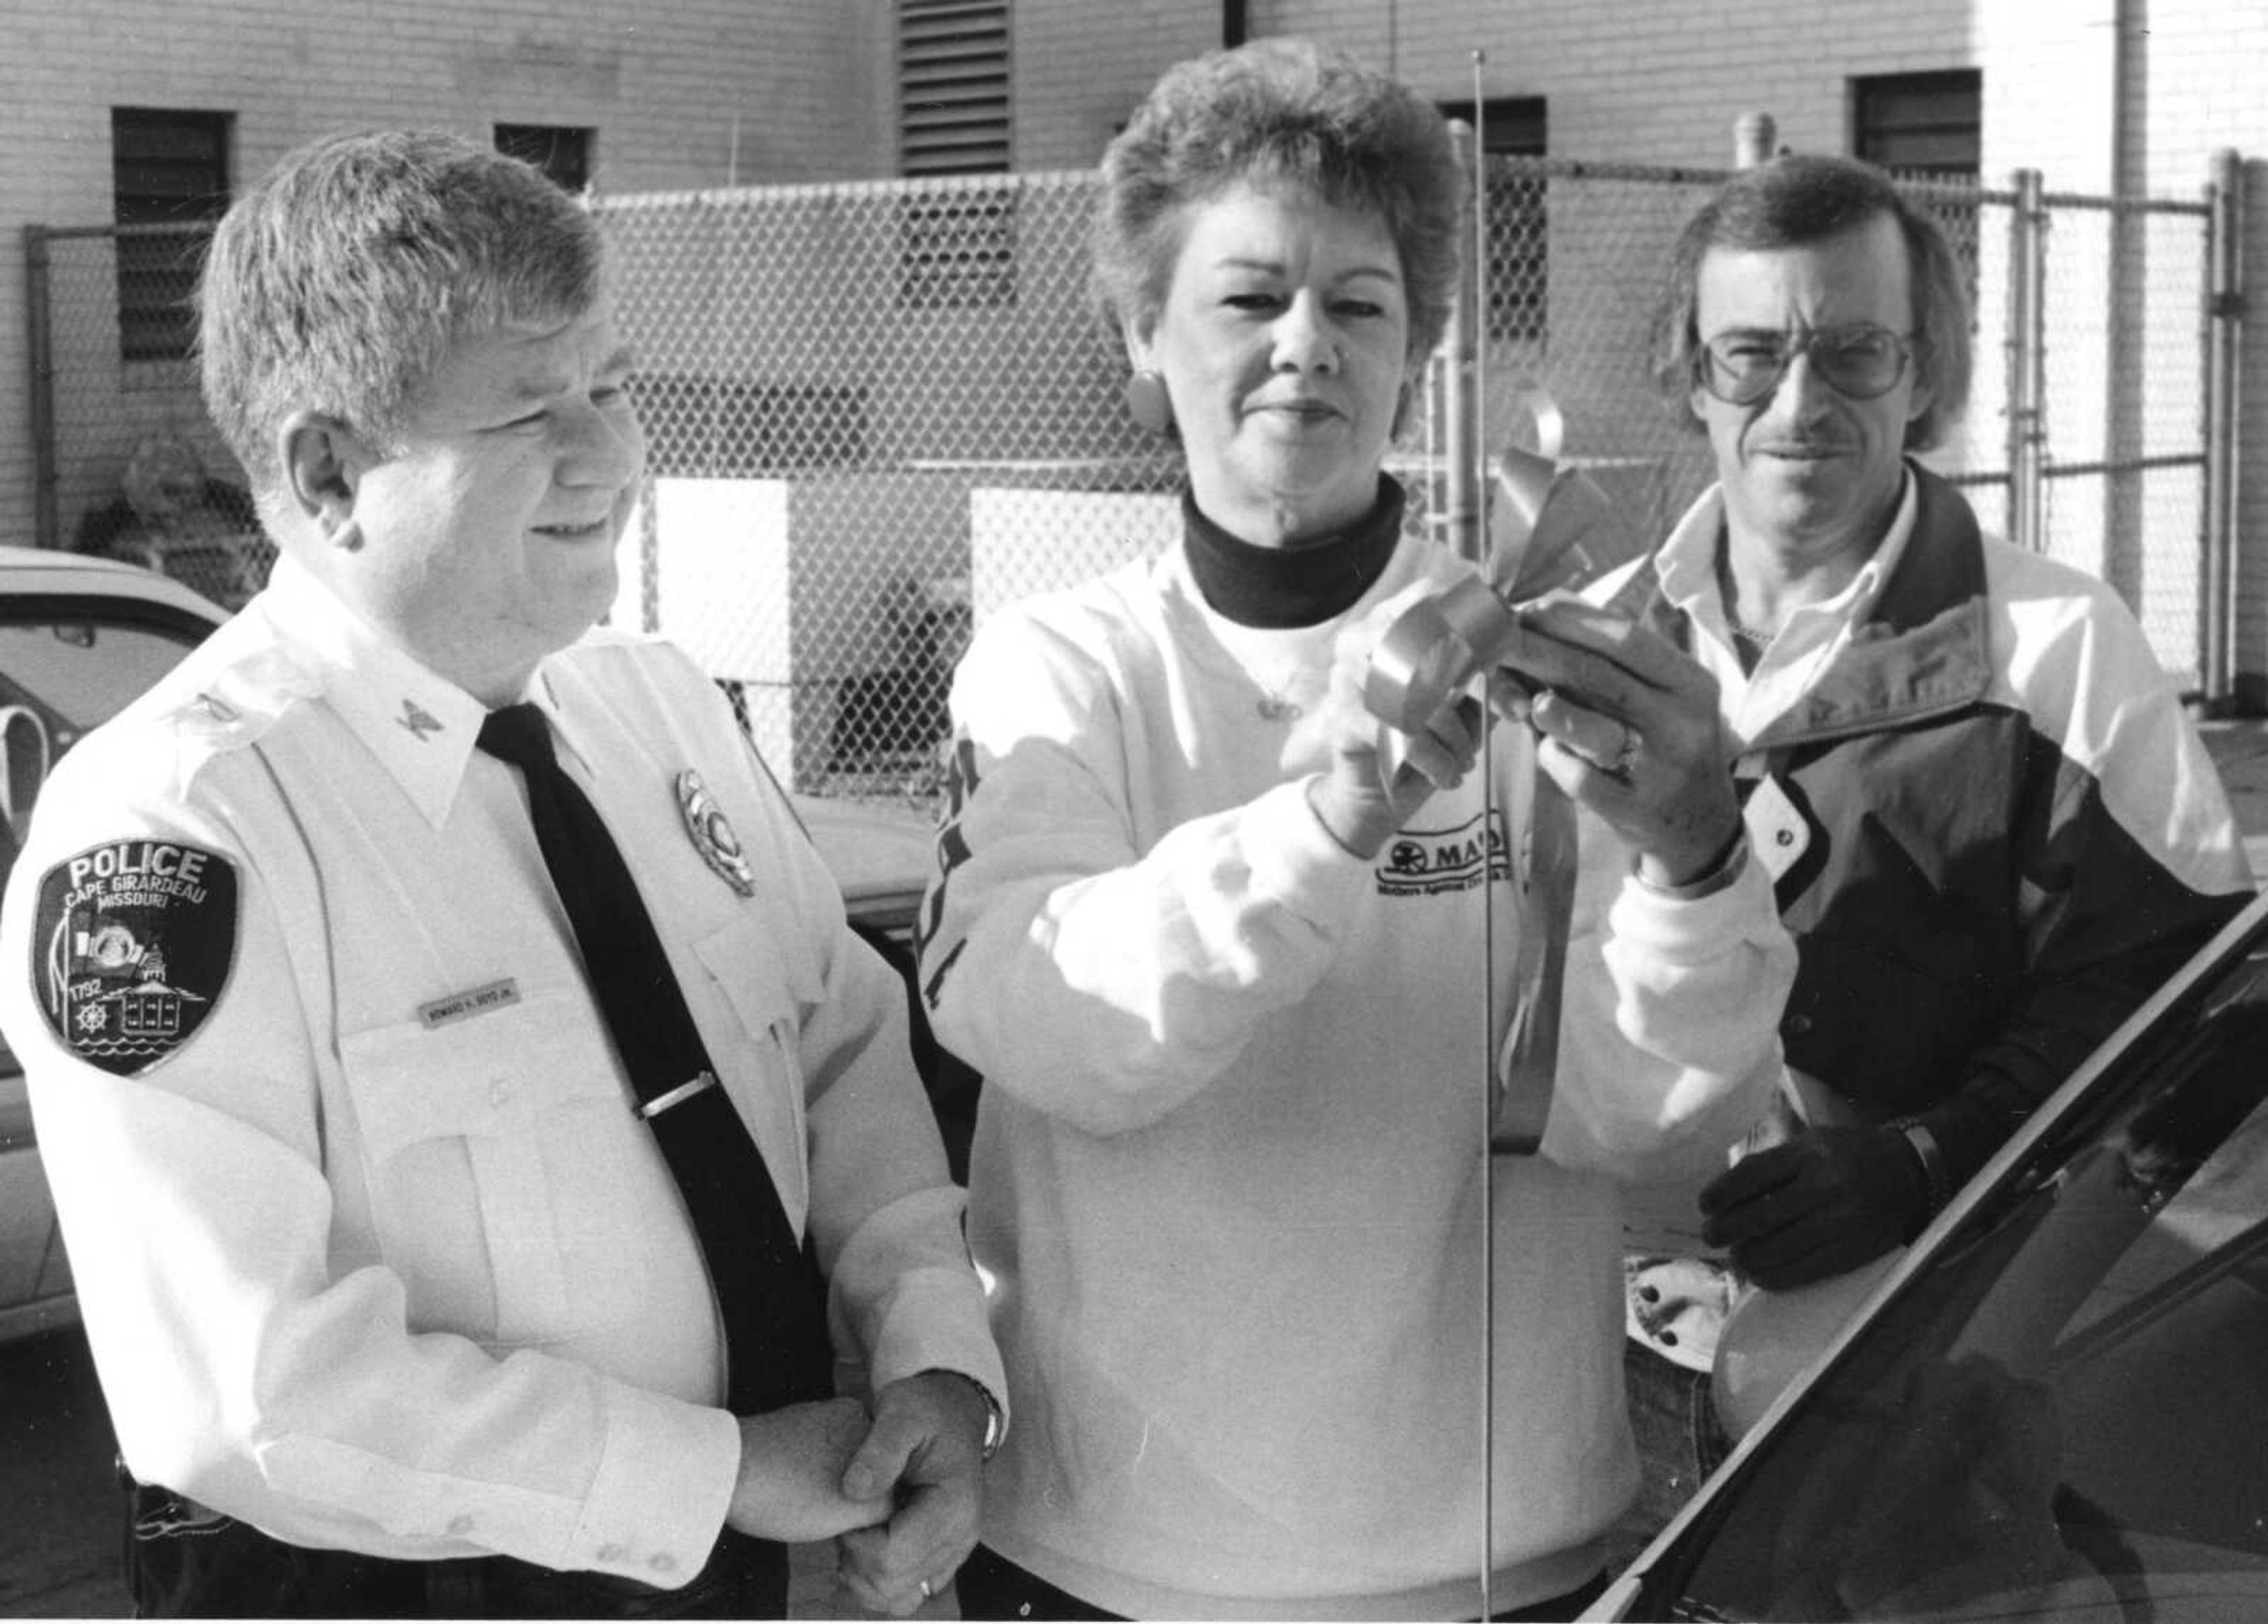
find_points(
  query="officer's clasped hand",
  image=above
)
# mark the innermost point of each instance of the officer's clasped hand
(1818, 1205)
(924, 1456)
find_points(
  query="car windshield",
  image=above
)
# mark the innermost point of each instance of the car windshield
(2065, 1414)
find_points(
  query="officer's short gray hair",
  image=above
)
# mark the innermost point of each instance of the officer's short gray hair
(339, 283)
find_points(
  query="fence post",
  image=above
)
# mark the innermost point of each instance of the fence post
(2224, 338)
(1754, 135)
(46, 526)
(1460, 404)
(2026, 363)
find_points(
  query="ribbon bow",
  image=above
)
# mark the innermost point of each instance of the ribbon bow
(1432, 652)
(1541, 513)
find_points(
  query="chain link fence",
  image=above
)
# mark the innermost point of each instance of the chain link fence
(875, 412)
(125, 462)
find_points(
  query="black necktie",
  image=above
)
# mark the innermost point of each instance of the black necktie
(774, 1308)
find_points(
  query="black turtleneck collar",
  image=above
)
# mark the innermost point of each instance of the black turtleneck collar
(1279, 588)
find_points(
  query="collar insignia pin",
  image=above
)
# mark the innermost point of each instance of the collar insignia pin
(713, 834)
(418, 720)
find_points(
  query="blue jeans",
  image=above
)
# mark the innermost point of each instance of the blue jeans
(1679, 1444)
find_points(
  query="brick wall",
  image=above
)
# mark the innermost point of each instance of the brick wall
(2203, 86)
(1080, 68)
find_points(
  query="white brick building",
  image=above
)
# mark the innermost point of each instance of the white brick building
(2125, 98)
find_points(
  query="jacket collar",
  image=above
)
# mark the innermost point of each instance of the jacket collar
(1923, 647)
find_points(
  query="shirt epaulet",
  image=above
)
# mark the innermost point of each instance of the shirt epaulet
(214, 712)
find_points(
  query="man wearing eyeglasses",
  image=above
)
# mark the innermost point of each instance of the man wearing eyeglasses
(1991, 827)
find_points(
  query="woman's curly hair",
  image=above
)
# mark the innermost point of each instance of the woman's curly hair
(1278, 113)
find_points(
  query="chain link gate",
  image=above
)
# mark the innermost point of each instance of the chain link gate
(877, 411)
(2119, 482)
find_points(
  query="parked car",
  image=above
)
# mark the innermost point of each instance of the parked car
(2055, 1405)
(79, 638)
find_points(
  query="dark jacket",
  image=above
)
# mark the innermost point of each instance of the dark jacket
(2009, 832)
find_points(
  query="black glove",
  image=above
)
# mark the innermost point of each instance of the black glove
(1820, 1204)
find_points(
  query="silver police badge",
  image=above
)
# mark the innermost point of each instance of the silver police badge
(713, 834)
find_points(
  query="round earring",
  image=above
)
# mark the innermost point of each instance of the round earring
(1147, 403)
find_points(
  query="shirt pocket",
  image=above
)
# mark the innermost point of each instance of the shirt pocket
(770, 984)
(495, 1146)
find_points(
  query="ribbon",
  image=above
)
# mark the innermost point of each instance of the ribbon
(1537, 519)
(1433, 650)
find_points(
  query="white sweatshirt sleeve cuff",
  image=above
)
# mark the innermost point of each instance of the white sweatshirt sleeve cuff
(1294, 860)
(1689, 932)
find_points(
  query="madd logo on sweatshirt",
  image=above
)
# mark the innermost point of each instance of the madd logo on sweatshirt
(133, 943)
(1423, 862)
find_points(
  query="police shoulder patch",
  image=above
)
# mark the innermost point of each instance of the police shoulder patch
(130, 948)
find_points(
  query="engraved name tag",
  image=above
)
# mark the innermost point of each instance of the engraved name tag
(472, 1001)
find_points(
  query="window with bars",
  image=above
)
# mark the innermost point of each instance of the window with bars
(561, 152)
(1920, 123)
(956, 250)
(169, 182)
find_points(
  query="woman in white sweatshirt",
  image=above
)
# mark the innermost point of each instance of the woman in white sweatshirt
(1216, 940)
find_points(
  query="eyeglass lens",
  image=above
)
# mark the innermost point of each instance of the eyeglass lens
(1861, 362)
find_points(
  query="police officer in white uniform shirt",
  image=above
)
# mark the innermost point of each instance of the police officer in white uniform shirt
(400, 1295)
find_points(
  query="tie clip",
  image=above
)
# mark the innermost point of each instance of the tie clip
(677, 1096)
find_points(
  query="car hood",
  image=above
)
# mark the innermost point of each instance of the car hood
(881, 855)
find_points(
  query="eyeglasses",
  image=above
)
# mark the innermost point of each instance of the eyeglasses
(1742, 368)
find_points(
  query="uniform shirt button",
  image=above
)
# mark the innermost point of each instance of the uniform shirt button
(499, 1092)
(460, 1524)
(1796, 1025)
(1785, 837)
(663, 1563)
